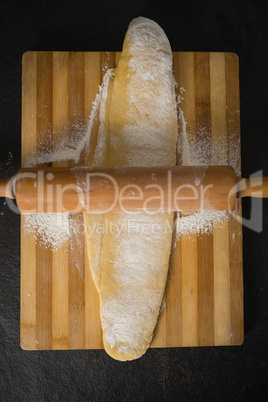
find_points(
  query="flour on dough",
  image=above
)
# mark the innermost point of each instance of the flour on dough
(138, 127)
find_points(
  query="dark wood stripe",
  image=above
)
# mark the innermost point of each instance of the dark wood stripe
(234, 152)
(43, 254)
(205, 289)
(236, 280)
(77, 285)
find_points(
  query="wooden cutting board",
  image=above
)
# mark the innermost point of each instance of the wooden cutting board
(204, 295)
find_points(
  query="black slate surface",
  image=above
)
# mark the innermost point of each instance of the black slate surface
(220, 373)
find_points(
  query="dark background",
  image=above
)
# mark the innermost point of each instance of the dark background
(218, 373)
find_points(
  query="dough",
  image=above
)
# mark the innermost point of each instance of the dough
(129, 258)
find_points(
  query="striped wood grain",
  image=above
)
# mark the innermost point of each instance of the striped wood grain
(204, 295)
(206, 270)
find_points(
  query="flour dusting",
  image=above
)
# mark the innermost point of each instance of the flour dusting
(183, 144)
(146, 139)
(70, 148)
(50, 229)
(100, 151)
(198, 153)
(53, 229)
(129, 315)
(200, 222)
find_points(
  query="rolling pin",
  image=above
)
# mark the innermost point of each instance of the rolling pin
(105, 189)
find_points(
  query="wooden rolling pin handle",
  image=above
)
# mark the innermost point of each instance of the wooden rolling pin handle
(254, 187)
(6, 188)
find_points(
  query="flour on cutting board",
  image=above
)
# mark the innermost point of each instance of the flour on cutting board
(200, 222)
(197, 154)
(70, 148)
(54, 229)
(51, 229)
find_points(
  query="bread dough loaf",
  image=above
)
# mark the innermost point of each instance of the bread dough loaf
(129, 258)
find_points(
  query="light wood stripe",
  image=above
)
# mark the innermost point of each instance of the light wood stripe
(60, 274)
(76, 250)
(28, 247)
(189, 290)
(60, 295)
(44, 255)
(222, 312)
(205, 290)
